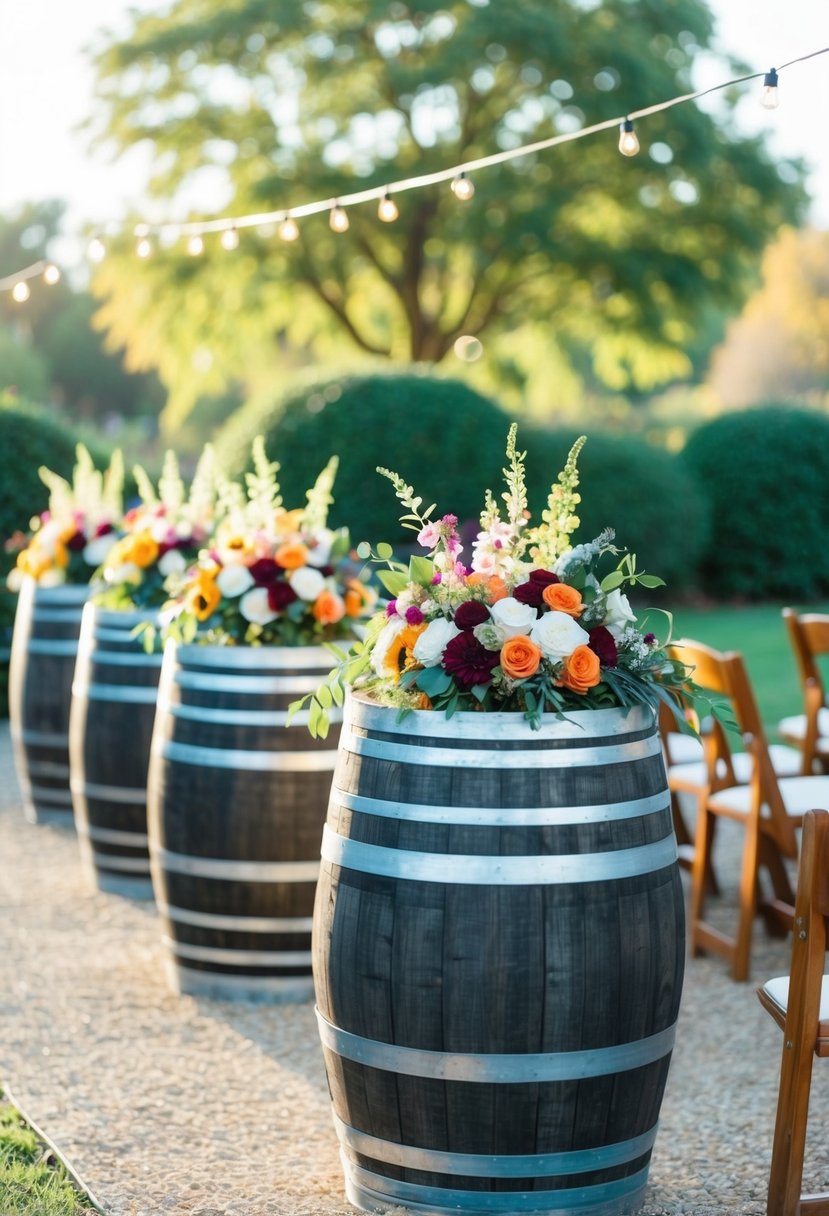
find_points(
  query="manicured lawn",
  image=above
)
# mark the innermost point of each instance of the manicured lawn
(29, 1184)
(759, 633)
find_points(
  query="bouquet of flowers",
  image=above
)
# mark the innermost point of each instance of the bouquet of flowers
(269, 576)
(70, 540)
(162, 536)
(530, 625)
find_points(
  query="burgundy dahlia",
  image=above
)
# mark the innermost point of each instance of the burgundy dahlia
(280, 595)
(468, 661)
(544, 577)
(470, 614)
(103, 530)
(265, 572)
(529, 593)
(603, 644)
(76, 542)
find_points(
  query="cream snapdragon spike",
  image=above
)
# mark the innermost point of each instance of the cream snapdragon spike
(531, 624)
(69, 541)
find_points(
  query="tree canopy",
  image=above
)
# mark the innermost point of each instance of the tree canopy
(279, 102)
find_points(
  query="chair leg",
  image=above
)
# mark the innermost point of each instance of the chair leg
(701, 870)
(777, 912)
(748, 903)
(789, 1144)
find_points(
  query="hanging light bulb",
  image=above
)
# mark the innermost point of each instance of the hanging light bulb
(195, 246)
(21, 292)
(288, 229)
(463, 187)
(387, 209)
(338, 219)
(96, 250)
(51, 275)
(770, 98)
(230, 239)
(144, 248)
(628, 142)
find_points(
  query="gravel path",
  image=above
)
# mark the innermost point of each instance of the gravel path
(180, 1106)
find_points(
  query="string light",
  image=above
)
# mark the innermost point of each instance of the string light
(230, 239)
(195, 246)
(51, 275)
(338, 219)
(770, 98)
(288, 229)
(387, 209)
(144, 248)
(463, 187)
(628, 140)
(21, 292)
(96, 250)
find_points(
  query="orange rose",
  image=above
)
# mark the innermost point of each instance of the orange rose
(358, 597)
(144, 550)
(520, 657)
(581, 670)
(562, 598)
(328, 607)
(291, 555)
(203, 597)
(493, 584)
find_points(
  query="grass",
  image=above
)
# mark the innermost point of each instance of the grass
(31, 1184)
(758, 632)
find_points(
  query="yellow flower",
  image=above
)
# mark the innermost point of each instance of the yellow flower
(143, 551)
(203, 596)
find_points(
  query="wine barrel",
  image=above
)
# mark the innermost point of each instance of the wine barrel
(236, 808)
(498, 958)
(47, 625)
(110, 728)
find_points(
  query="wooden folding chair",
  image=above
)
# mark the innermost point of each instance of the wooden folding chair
(809, 731)
(799, 1003)
(769, 808)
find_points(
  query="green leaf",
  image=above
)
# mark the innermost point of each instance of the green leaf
(364, 550)
(337, 693)
(421, 570)
(433, 681)
(385, 550)
(650, 580)
(324, 697)
(393, 581)
(479, 692)
(613, 580)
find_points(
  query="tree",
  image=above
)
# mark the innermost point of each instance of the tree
(282, 102)
(778, 348)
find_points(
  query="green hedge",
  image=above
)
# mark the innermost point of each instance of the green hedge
(766, 472)
(440, 435)
(655, 505)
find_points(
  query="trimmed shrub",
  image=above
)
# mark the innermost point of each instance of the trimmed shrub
(440, 435)
(646, 494)
(766, 473)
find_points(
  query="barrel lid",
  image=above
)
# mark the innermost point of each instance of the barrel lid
(259, 657)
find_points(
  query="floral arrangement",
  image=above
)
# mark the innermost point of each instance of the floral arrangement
(162, 536)
(69, 540)
(269, 576)
(530, 625)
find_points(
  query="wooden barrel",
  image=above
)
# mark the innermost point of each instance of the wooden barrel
(498, 957)
(110, 728)
(47, 625)
(236, 808)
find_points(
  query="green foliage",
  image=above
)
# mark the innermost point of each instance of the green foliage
(290, 102)
(438, 432)
(645, 494)
(766, 473)
(29, 1185)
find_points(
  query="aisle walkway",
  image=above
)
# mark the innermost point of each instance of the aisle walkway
(175, 1106)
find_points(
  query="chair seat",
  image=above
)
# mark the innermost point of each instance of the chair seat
(683, 749)
(799, 794)
(786, 762)
(795, 728)
(776, 992)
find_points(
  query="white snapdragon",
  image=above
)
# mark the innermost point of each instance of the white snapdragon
(306, 583)
(255, 608)
(232, 581)
(557, 635)
(429, 647)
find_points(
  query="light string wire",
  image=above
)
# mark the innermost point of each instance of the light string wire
(229, 223)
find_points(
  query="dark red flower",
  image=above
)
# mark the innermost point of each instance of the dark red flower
(280, 595)
(264, 572)
(104, 530)
(603, 644)
(468, 661)
(470, 614)
(530, 593)
(77, 542)
(544, 577)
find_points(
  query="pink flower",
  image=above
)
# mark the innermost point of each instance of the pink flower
(429, 535)
(391, 608)
(413, 615)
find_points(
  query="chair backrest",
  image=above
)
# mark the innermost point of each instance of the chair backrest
(809, 635)
(724, 674)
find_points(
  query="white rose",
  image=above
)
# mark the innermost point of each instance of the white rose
(618, 613)
(255, 608)
(512, 618)
(321, 551)
(557, 635)
(307, 583)
(96, 550)
(173, 562)
(14, 579)
(231, 580)
(429, 647)
(52, 577)
(383, 642)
